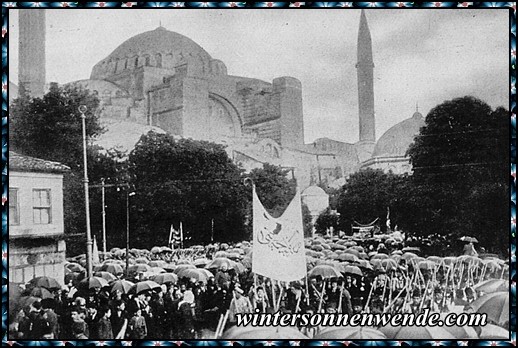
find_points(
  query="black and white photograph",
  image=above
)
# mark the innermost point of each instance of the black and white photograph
(258, 174)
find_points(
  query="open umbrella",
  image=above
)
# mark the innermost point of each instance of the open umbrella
(411, 249)
(389, 264)
(44, 282)
(492, 285)
(75, 277)
(495, 305)
(325, 271)
(380, 257)
(106, 276)
(74, 267)
(349, 333)
(416, 333)
(263, 333)
(468, 239)
(180, 268)
(141, 260)
(41, 293)
(157, 263)
(200, 263)
(348, 257)
(146, 285)
(427, 265)
(219, 262)
(354, 270)
(184, 262)
(166, 278)
(408, 256)
(493, 332)
(113, 268)
(93, 283)
(434, 258)
(122, 285)
(198, 274)
(352, 251)
(26, 301)
(139, 268)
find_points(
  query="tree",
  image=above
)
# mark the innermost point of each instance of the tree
(460, 162)
(274, 189)
(187, 181)
(325, 220)
(366, 196)
(50, 127)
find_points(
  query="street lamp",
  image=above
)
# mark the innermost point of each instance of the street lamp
(82, 110)
(128, 195)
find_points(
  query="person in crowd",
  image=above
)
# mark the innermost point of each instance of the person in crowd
(186, 316)
(50, 316)
(104, 326)
(79, 328)
(239, 305)
(119, 320)
(137, 328)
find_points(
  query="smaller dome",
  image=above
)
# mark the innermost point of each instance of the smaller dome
(314, 191)
(396, 140)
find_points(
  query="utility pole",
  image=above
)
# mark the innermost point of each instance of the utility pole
(82, 110)
(104, 217)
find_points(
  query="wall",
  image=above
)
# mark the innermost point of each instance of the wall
(27, 261)
(36, 250)
(25, 183)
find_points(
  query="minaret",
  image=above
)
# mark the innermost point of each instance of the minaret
(31, 51)
(364, 68)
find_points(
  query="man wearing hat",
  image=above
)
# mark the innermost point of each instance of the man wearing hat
(295, 298)
(356, 303)
(48, 306)
(239, 304)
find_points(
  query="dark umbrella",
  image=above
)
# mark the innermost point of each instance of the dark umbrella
(146, 285)
(325, 271)
(106, 276)
(113, 268)
(495, 305)
(123, 286)
(41, 293)
(93, 283)
(166, 278)
(45, 282)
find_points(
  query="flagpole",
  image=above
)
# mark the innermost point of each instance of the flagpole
(181, 235)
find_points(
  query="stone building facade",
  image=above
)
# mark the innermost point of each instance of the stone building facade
(36, 225)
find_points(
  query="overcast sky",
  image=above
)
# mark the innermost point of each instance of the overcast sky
(425, 56)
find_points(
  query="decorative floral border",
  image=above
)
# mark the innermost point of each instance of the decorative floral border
(5, 37)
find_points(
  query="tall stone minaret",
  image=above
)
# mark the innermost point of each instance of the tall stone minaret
(364, 68)
(31, 51)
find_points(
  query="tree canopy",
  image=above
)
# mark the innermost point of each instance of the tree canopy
(193, 182)
(460, 161)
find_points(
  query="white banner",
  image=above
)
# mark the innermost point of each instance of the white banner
(278, 248)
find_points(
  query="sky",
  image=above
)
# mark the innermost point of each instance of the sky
(423, 56)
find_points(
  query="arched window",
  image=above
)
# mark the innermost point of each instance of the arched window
(125, 64)
(136, 62)
(148, 60)
(158, 59)
(115, 66)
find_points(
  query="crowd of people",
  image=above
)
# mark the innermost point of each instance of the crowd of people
(344, 276)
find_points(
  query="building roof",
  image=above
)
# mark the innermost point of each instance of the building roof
(314, 191)
(397, 139)
(24, 163)
(156, 41)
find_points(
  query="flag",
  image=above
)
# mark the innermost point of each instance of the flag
(388, 218)
(95, 253)
(174, 236)
(278, 248)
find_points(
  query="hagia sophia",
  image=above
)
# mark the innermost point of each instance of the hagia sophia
(164, 81)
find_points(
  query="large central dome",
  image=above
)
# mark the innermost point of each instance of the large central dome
(159, 40)
(159, 48)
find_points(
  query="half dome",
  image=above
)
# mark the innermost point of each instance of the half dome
(396, 140)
